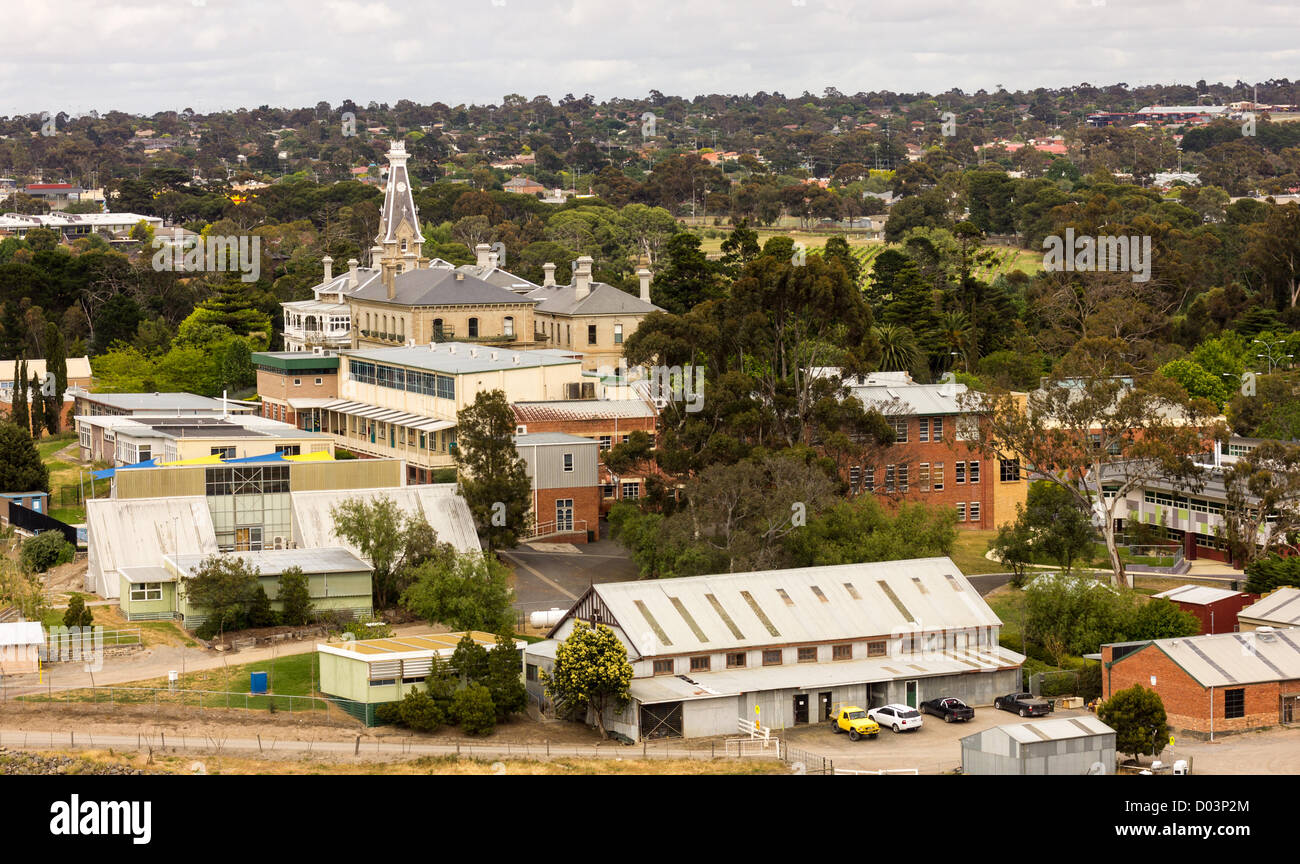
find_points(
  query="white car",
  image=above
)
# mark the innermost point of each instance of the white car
(900, 718)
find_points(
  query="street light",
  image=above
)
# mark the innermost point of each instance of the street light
(1268, 348)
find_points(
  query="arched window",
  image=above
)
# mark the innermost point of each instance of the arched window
(473, 328)
(437, 329)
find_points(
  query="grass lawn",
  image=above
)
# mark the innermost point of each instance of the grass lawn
(1007, 603)
(66, 480)
(968, 553)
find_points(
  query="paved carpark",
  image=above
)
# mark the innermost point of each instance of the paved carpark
(935, 748)
(554, 579)
(1269, 751)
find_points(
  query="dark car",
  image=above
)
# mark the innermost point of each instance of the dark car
(951, 709)
(1023, 704)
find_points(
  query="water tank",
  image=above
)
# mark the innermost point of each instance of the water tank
(256, 682)
(549, 618)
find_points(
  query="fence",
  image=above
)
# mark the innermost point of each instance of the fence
(805, 761)
(881, 771)
(158, 697)
(739, 747)
(30, 520)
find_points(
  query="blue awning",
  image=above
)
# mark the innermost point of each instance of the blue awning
(109, 472)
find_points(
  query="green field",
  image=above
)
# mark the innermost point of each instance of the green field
(67, 480)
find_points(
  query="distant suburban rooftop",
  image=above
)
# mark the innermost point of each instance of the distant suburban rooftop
(460, 358)
(1199, 595)
(1281, 607)
(273, 562)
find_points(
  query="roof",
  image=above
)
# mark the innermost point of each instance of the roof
(912, 398)
(582, 409)
(543, 439)
(1281, 607)
(409, 647)
(198, 426)
(292, 360)
(1198, 595)
(439, 503)
(22, 633)
(179, 402)
(1054, 729)
(801, 605)
(461, 358)
(604, 299)
(374, 412)
(273, 562)
(435, 286)
(1225, 659)
(808, 676)
(78, 367)
(138, 532)
(141, 575)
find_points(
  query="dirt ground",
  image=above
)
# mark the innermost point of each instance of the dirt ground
(61, 580)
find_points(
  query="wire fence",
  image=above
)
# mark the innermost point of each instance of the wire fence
(160, 697)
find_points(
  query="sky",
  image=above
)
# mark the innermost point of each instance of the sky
(144, 56)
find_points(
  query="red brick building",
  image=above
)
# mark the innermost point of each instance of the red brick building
(1215, 608)
(1213, 684)
(605, 421)
(566, 495)
(288, 381)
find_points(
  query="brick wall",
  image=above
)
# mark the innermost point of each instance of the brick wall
(586, 508)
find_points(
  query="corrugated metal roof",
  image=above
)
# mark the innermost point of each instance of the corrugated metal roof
(1235, 658)
(1281, 607)
(445, 510)
(386, 415)
(273, 562)
(807, 676)
(1056, 729)
(410, 647)
(911, 398)
(22, 633)
(545, 438)
(461, 358)
(582, 409)
(885, 597)
(141, 575)
(1199, 595)
(138, 532)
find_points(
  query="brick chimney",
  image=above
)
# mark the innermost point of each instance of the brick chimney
(644, 275)
(582, 278)
(548, 269)
(328, 262)
(482, 252)
(388, 272)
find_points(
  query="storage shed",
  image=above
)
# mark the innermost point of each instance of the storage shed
(1215, 608)
(20, 647)
(1062, 745)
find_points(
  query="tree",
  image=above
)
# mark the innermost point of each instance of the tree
(1058, 526)
(504, 679)
(1262, 500)
(470, 660)
(591, 672)
(1138, 717)
(56, 363)
(420, 712)
(1013, 548)
(294, 595)
(21, 412)
(1160, 618)
(1099, 437)
(862, 530)
(78, 614)
(390, 541)
(493, 478)
(260, 613)
(1273, 571)
(37, 409)
(21, 468)
(474, 710)
(464, 591)
(45, 550)
(1078, 610)
(222, 586)
(686, 277)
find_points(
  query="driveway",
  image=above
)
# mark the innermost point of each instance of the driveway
(556, 577)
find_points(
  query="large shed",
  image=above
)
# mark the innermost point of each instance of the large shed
(1062, 745)
(1215, 608)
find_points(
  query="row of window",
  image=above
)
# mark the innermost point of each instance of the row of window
(932, 428)
(969, 512)
(630, 490)
(146, 591)
(247, 479)
(771, 657)
(1168, 499)
(931, 475)
(398, 378)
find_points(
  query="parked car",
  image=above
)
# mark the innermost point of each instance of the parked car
(949, 708)
(900, 718)
(855, 721)
(1023, 704)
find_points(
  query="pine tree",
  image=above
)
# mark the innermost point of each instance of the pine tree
(21, 468)
(56, 361)
(38, 409)
(22, 417)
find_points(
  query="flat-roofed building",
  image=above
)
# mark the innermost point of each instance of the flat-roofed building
(129, 440)
(287, 379)
(157, 404)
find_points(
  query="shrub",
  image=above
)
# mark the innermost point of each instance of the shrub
(368, 629)
(474, 709)
(389, 712)
(295, 596)
(420, 712)
(45, 550)
(78, 614)
(260, 613)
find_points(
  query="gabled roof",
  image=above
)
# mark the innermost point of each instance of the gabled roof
(604, 299)
(1230, 659)
(437, 287)
(1280, 607)
(1198, 595)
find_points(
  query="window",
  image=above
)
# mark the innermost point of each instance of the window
(937, 476)
(382, 682)
(959, 472)
(700, 664)
(606, 441)
(937, 433)
(473, 328)
(899, 425)
(974, 472)
(877, 649)
(808, 655)
(1010, 470)
(869, 479)
(607, 491)
(902, 478)
(974, 511)
(961, 511)
(146, 591)
(1234, 703)
(618, 334)
(508, 326)
(772, 657)
(923, 476)
(288, 449)
(925, 429)
(632, 490)
(968, 429)
(855, 477)
(530, 672)
(568, 461)
(591, 334)
(224, 452)
(320, 381)
(842, 652)
(889, 478)
(736, 660)
(664, 667)
(564, 514)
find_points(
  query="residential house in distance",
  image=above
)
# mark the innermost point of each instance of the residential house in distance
(286, 379)
(121, 440)
(588, 316)
(783, 647)
(325, 321)
(1215, 608)
(522, 185)
(936, 457)
(79, 376)
(566, 496)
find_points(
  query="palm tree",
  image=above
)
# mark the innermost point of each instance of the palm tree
(898, 351)
(957, 334)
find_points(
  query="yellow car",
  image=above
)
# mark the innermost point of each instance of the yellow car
(855, 721)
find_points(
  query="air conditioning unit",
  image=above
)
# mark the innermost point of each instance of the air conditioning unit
(279, 543)
(521, 430)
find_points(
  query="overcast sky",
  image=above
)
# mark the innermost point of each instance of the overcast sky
(146, 55)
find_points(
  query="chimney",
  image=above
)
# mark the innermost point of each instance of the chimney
(460, 277)
(482, 252)
(549, 270)
(329, 267)
(644, 275)
(389, 274)
(352, 273)
(582, 278)
(492, 260)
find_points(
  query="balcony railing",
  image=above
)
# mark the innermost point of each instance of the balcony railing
(547, 529)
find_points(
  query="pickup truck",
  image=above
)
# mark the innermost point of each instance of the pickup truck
(1023, 704)
(950, 709)
(855, 721)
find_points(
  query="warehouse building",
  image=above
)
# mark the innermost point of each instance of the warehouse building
(1213, 684)
(1278, 609)
(1215, 608)
(359, 675)
(1060, 746)
(708, 650)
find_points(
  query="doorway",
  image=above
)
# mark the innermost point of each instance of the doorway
(911, 694)
(800, 708)
(1290, 709)
(824, 706)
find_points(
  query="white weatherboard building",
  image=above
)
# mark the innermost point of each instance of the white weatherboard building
(708, 650)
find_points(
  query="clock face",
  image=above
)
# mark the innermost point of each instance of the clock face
(401, 187)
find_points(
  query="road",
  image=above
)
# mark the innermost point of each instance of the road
(554, 579)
